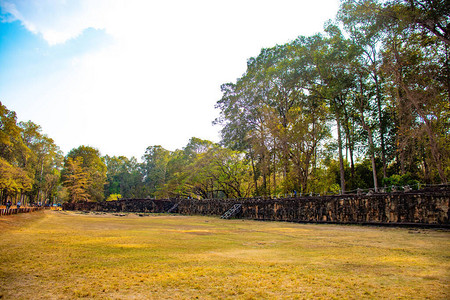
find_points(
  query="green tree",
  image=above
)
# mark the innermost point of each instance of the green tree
(124, 177)
(45, 161)
(417, 68)
(231, 172)
(182, 179)
(154, 168)
(276, 116)
(405, 52)
(367, 34)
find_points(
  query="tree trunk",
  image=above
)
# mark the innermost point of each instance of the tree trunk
(382, 126)
(255, 176)
(371, 148)
(413, 99)
(425, 167)
(349, 146)
(341, 159)
(274, 170)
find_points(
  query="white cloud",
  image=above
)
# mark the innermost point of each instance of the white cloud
(157, 83)
(57, 20)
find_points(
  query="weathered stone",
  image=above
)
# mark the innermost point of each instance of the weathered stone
(429, 207)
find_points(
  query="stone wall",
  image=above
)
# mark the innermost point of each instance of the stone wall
(125, 205)
(420, 208)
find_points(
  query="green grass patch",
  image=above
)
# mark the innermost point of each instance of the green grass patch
(66, 255)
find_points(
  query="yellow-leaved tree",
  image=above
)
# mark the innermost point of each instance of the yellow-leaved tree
(13, 180)
(76, 180)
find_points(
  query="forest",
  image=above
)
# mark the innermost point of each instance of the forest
(363, 105)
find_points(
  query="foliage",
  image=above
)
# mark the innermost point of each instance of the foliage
(400, 181)
(154, 168)
(204, 170)
(13, 179)
(114, 197)
(365, 102)
(12, 148)
(124, 177)
(76, 180)
(94, 168)
(44, 162)
(18, 170)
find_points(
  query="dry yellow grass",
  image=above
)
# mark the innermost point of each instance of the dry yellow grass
(66, 255)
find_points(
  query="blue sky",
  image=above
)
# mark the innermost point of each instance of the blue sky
(26, 55)
(123, 75)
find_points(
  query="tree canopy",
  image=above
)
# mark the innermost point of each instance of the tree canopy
(364, 104)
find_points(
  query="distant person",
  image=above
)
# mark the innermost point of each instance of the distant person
(18, 204)
(8, 204)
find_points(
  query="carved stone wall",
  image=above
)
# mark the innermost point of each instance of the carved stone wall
(421, 208)
(125, 205)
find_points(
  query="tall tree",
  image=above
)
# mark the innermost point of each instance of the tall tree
(154, 166)
(15, 179)
(77, 180)
(93, 165)
(124, 177)
(367, 34)
(419, 84)
(12, 147)
(45, 161)
(411, 38)
(331, 57)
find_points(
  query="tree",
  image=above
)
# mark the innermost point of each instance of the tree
(13, 180)
(114, 197)
(412, 37)
(232, 172)
(77, 180)
(419, 76)
(331, 57)
(243, 120)
(184, 173)
(367, 33)
(362, 102)
(177, 175)
(154, 167)
(95, 168)
(274, 113)
(124, 177)
(44, 163)
(433, 16)
(12, 147)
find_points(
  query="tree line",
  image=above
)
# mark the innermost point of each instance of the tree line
(365, 104)
(372, 90)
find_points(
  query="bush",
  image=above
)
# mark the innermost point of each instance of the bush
(114, 197)
(400, 181)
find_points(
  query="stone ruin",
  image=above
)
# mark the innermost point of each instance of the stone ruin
(424, 208)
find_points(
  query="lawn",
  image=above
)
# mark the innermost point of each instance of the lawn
(66, 255)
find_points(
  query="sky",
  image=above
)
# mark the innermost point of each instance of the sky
(120, 76)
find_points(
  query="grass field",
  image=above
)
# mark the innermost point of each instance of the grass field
(66, 255)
